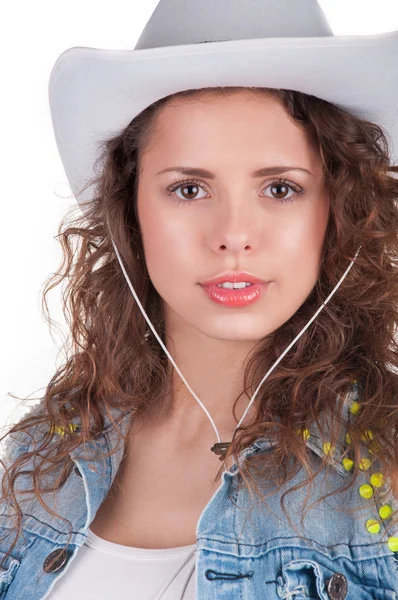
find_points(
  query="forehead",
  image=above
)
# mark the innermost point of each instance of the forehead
(209, 125)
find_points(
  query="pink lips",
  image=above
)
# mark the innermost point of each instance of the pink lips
(234, 277)
(235, 297)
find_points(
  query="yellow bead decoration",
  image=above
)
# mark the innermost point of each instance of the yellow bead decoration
(372, 526)
(304, 432)
(327, 447)
(366, 491)
(61, 430)
(377, 479)
(354, 381)
(364, 464)
(385, 511)
(354, 408)
(348, 438)
(373, 448)
(348, 464)
(367, 435)
(392, 543)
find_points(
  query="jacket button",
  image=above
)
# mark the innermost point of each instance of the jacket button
(337, 587)
(55, 560)
(77, 471)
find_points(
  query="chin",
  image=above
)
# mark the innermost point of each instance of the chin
(242, 333)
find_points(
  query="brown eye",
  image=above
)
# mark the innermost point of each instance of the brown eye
(285, 186)
(280, 185)
(189, 191)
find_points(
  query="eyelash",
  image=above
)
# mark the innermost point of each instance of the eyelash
(172, 188)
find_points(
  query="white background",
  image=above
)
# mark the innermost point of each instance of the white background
(34, 186)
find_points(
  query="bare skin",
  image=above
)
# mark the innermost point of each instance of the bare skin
(160, 490)
(166, 478)
(235, 222)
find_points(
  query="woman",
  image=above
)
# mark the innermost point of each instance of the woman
(109, 487)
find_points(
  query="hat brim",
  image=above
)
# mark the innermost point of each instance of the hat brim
(95, 93)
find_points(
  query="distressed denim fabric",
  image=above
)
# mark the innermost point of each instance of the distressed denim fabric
(245, 551)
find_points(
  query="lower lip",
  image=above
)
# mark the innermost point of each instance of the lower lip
(235, 297)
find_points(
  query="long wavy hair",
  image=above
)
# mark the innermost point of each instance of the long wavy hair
(113, 361)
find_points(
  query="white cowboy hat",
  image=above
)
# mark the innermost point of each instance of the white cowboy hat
(95, 93)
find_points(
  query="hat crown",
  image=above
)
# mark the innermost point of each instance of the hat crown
(177, 22)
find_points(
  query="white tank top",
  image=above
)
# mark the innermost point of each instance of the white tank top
(103, 570)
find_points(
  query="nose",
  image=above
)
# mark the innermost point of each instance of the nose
(235, 228)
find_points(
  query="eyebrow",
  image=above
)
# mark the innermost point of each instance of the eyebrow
(196, 172)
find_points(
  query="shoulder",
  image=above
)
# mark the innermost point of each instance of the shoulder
(20, 437)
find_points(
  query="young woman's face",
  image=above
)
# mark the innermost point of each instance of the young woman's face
(233, 221)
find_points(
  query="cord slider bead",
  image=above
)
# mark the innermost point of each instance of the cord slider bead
(220, 449)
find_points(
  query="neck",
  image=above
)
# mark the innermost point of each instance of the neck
(214, 370)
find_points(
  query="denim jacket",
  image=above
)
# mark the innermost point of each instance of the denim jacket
(240, 555)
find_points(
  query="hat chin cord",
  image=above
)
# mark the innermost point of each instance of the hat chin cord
(220, 448)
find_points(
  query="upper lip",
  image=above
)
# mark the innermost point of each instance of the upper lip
(234, 277)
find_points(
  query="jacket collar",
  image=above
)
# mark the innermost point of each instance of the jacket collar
(314, 440)
(98, 471)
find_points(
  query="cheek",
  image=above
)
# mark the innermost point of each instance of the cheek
(301, 245)
(169, 244)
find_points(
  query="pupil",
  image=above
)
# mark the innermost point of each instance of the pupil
(191, 187)
(280, 185)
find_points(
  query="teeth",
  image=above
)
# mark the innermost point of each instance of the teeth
(230, 286)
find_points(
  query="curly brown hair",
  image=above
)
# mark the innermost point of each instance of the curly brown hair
(114, 362)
